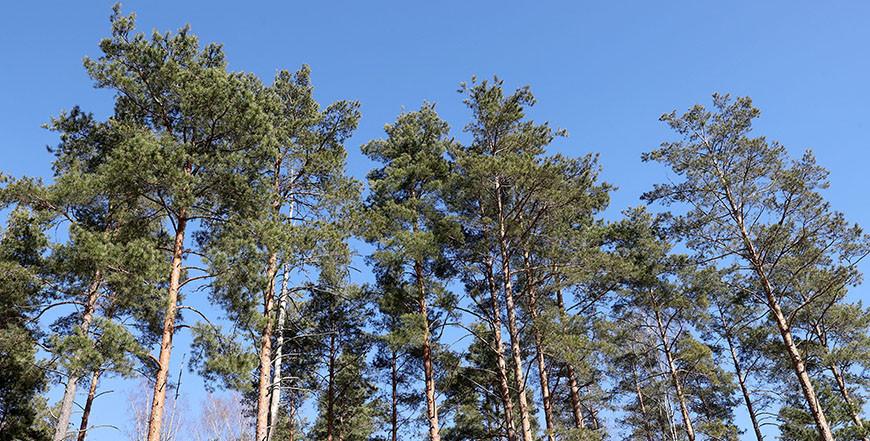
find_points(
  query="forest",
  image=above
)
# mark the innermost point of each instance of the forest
(502, 305)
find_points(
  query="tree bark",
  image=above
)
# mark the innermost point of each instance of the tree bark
(330, 391)
(641, 403)
(275, 398)
(394, 402)
(543, 376)
(854, 410)
(498, 343)
(158, 402)
(86, 412)
(513, 330)
(741, 379)
(61, 430)
(782, 324)
(675, 379)
(428, 371)
(265, 368)
(573, 387)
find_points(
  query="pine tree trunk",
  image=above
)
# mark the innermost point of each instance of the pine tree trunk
(158, 402)
(62, 428)
(330, 391)
(782, 324)
(265, 368)
(573, 388)
(641, 403)
(89, 402)
(543, 376)
(854, 410)
(513, 330)
(844, 392)
(741, 380)
(428, 371)
(394, 401)
(675, 379)
(498, 347)
(275, 398)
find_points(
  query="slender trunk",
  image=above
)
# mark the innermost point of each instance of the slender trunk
(641, 403)
(69, 393)
(265, 368)
(844, 392)
(275, 398)
(675, 379)
(741, 379)
(428, 371)
(782, 323)
(394, 403)
(158, 402)
(498, 343)
(854, 410)
(539, 350)
(595, 423)
(513, 330)
(573, 387)
(330, 390)
(291, 419)
(86, 412)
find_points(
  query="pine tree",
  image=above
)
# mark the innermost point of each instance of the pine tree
(408, 224)
(22, 244)
(660, 299)
(193, 131)
(750, 203)
(107, 267)
(302, 201)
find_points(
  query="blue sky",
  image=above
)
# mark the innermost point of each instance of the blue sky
(604, 71)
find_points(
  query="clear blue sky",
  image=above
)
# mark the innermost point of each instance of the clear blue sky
(604, 71)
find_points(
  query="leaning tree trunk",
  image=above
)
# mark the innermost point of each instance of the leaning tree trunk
(741, 379)
(675, 379)
(275, 398)
(89, 402)
(158, 402)
(69, 393)
(853, 409)
(782, 324)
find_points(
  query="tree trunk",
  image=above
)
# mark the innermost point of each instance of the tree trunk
(275, 398)
(573, 388)
(158, 402)
(86, 412)
(330, 390)
(61, 430)
(741, 380)
(513, 330)
(782, 324)
(428, 371)
(675, 379)
(854, 410)
(498, 343)
(543, 376)
(265, 368)
(394, 402)
(641, 403)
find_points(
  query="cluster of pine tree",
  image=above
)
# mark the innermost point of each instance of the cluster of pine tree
(503, 306)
